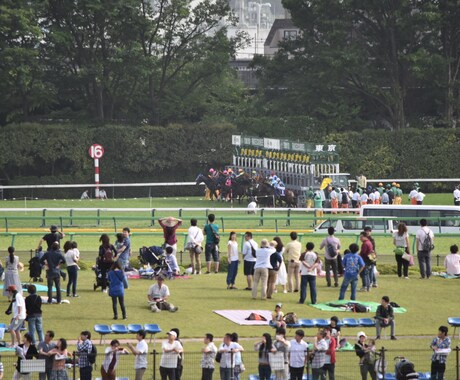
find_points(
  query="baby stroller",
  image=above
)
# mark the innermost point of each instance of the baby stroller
(99, 280)
(404, 369)
(154, 257)
(35, 269)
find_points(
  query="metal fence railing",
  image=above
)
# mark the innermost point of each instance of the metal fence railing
(346, 367)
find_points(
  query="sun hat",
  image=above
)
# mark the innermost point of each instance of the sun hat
(360, 334)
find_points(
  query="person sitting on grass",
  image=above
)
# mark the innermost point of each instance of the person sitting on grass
(278, 316)
(158, 295)
(170, 259)
(452, 261)
(385, 317)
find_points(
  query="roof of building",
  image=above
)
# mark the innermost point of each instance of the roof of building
(280, 23)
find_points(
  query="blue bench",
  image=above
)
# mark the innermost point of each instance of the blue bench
(103, 330)
(454, 322)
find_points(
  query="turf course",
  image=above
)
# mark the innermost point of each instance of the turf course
(429, 302)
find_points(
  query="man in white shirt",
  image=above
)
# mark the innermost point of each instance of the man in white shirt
(334, 200)
(332, 250)
(452, 261)
(364, 198)
(457, 196)
(261, 268)
(413, 196)
(420, 197)
(158, 295)
(227, 361)
(424, 253)
(195, 245)
(297, 355)
(141, 350)
(249, 258)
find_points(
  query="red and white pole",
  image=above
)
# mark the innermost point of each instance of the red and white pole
(96, 152)
(96, 177)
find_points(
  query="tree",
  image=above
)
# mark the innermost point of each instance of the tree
(355, 54)
(186, 48)
(22, 85)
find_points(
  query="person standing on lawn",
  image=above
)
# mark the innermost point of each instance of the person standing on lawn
(353, 265)
(331, 244)
(441, 348)
(211, 248)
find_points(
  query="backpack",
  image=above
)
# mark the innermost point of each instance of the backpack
(427, 244)
(253, 251)
(291, 319)
(344, 198)
(357, 307)
(331, 251)
(108, 255)
(92, 355)
(215, 235)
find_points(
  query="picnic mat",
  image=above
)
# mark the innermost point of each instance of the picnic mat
(443, 275)
(40, 288)
(373, 305)
(238, 316)
(347, 347)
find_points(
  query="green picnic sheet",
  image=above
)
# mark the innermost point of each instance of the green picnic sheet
(347, 347)
(444, 275)
(373, 305)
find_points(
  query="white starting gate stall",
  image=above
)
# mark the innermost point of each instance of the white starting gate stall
(299, 164)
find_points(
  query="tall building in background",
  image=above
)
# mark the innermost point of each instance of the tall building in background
(256, 18)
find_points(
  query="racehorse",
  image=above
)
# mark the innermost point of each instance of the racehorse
(265, 194)
(240, 187)
(288, 198)
(210, 184)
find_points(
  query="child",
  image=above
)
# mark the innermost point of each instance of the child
(119, 242)
(172, 261)
(278, 316)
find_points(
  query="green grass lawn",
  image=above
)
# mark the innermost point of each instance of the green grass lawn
(429, 302)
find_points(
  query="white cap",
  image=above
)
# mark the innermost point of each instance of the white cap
(173, 333)
(360, 334)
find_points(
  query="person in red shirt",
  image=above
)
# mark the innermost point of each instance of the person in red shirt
(366, 250)
(170, 225)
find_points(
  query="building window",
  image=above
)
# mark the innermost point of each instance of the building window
(290, 34)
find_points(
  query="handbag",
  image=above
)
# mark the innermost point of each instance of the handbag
(276, 360)
(197, 249)
(239, 368)
(406, 256)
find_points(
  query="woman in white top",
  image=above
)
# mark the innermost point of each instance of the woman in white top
(194, 245)
(232, 257)
(12, 268)
(401, 242)
(72, 255)
(282, 273)
(452, 261)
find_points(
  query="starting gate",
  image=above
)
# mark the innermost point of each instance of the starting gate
(299, 165)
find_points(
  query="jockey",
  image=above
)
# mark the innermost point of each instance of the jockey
(240, 172)
(279, 188)
(231, 173)
(212, 173)
(273, 180)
